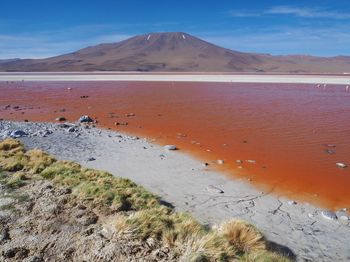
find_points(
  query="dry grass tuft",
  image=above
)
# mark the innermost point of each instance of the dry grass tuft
(181, 232)
(244, 236)
(38, 161)
(16, 180)
(10, 145)
(263, 256)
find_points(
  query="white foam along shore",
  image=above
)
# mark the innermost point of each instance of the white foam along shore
(201, 77)
(192, 187)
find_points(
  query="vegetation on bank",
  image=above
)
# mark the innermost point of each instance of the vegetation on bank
(140, 213)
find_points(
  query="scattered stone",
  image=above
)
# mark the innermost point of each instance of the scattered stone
(239, 161)
(251, 161)
(129, 114)
(18, 134)
(91, 159)
(215, 189)
(85, 119)
(71, 129)
(329, 151)
(205, 164)
(220, 162)
(341, 165)
(121, 123)
(84, 96)
(344, 218)
(170, 147)
(61, 119)
(327, 214)
(292, 202)
(7, 107)
(329, 145)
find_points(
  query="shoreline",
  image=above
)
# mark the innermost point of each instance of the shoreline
(184, 182)
(224, 78)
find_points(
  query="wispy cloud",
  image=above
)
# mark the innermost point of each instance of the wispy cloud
(303, 12)
(307, 12)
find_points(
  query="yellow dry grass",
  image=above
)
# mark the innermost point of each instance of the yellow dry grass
(244, 236)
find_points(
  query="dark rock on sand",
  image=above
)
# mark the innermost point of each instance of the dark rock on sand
(85, 119)
(18, 134)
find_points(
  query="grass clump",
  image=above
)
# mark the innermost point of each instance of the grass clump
(244, 236)
(191, 240)
(100, 187)
(14, 158)
(263, 256)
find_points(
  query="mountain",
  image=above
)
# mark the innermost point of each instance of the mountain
(176, 52)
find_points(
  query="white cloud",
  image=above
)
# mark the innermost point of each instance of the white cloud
(304, 12)
(307, 12)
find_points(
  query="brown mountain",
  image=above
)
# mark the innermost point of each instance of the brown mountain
(175, 52)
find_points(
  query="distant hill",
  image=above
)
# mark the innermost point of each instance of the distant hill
(175, 52)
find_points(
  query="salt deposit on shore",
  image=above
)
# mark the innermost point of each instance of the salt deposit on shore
(238, 78)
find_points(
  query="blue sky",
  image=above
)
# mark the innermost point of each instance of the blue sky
(34, 28)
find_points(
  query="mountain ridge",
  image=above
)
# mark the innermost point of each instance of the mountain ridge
(175, 52)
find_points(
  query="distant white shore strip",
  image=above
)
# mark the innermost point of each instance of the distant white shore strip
(163, 77)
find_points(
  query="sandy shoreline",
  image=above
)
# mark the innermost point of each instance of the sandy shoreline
(189, 186)
(297, 79)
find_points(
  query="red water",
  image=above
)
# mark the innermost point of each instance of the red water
(285, 128)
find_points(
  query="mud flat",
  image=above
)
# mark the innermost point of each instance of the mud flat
(308, 232)
(241, 78)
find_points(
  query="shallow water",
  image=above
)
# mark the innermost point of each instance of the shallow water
(295, 133)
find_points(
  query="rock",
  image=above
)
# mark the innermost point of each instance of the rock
(71, 129)
(84, 96)
(292, 202)
(238, 161)
(170, 147)
(215, 189)
(341, 165)
(18, 134)
(91, 159)
(251, 161)
(121, 123)
(220, 162)
(85, 119)
(61, 119)
(129, 114)
(344, 218)
(205, 164)
(63, 125)
(327, 214)
(330, 152)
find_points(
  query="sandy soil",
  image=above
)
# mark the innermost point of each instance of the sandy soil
(298, 228)
(306, 79)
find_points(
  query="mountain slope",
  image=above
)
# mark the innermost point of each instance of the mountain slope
(174, 52)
